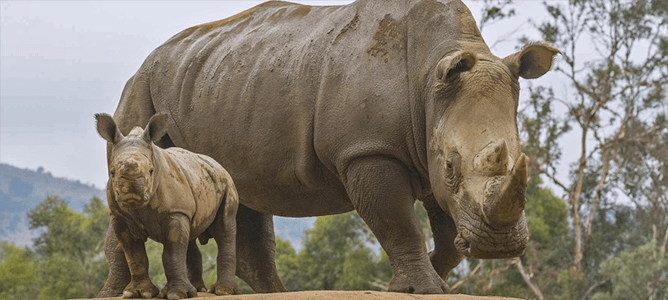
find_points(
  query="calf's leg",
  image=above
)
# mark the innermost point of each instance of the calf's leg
(174, 259)
(194, 265)
(140, 285)
(224, 231)
(119, 273)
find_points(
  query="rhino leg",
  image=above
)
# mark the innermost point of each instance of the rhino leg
(255, 251)
(445, 256)
(140, 285)
(381, 192)
(224, 231)
(194, 264)
(119, 273)
(175, 250)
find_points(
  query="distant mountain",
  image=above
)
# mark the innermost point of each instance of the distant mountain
(22, 189)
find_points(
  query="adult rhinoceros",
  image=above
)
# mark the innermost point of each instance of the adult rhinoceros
(367, 107)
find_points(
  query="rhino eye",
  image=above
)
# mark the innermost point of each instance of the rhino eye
(453, 175)
(112, 173)
(150, 171)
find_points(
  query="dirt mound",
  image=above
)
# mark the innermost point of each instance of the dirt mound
(337, 295)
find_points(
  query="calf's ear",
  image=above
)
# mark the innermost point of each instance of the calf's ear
(156, 127)
(107, 129)
(533, 61)
(455, 63)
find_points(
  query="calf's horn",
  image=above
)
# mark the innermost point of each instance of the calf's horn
(507, 206)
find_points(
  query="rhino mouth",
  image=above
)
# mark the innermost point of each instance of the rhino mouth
(133, 200)
(477, 239)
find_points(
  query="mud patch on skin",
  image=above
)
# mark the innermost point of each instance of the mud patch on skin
(350, 26)
(389, 37)
(300, 11)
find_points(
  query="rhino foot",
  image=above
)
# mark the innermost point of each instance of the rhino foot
(225, 288)
(109, 293)
(177, 291)
(143, 289)
(425, 284)
(199, 286)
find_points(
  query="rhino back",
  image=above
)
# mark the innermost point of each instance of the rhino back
(287, 95)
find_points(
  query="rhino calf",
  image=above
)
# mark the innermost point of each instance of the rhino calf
(172, 196)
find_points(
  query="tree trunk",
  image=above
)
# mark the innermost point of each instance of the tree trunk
(575, 202)
(605, 157)
(527, 279)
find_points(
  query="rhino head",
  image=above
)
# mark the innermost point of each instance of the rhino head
(132, 163)
(476, 169)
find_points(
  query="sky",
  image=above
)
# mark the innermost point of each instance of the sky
(63, 61)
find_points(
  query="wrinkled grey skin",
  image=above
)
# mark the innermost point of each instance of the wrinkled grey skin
(172, 196)
(368, 106)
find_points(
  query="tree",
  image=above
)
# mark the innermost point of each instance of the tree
(287, 265)
(335, 256)
(639, 274)
(610, 94)
(69, 250)
(18, 270)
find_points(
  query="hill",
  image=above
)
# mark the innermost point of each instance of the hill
(22, 189)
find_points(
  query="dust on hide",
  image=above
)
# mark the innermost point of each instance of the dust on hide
(172, 196)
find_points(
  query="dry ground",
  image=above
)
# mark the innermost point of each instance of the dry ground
(344, 295)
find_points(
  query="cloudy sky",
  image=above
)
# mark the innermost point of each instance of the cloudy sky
(63, 61)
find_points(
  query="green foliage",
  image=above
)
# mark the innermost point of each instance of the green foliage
(546, 215)
(570, 286)
(287, 265)
(638, 274)
(69, 251)
(18, 270)
(335, 256)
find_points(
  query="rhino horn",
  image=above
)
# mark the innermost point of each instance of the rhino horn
(493, 159)
(507, 206)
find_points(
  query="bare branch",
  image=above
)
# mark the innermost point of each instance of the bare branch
(527, 278)
(555, 181)
(467, 277)
(595, 285)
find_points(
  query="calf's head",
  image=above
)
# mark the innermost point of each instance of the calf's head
(132, 163)
(476, 169)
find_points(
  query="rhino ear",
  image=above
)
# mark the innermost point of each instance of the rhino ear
(156, 127)
(453, 64)
(533, 61)
(107, 129)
